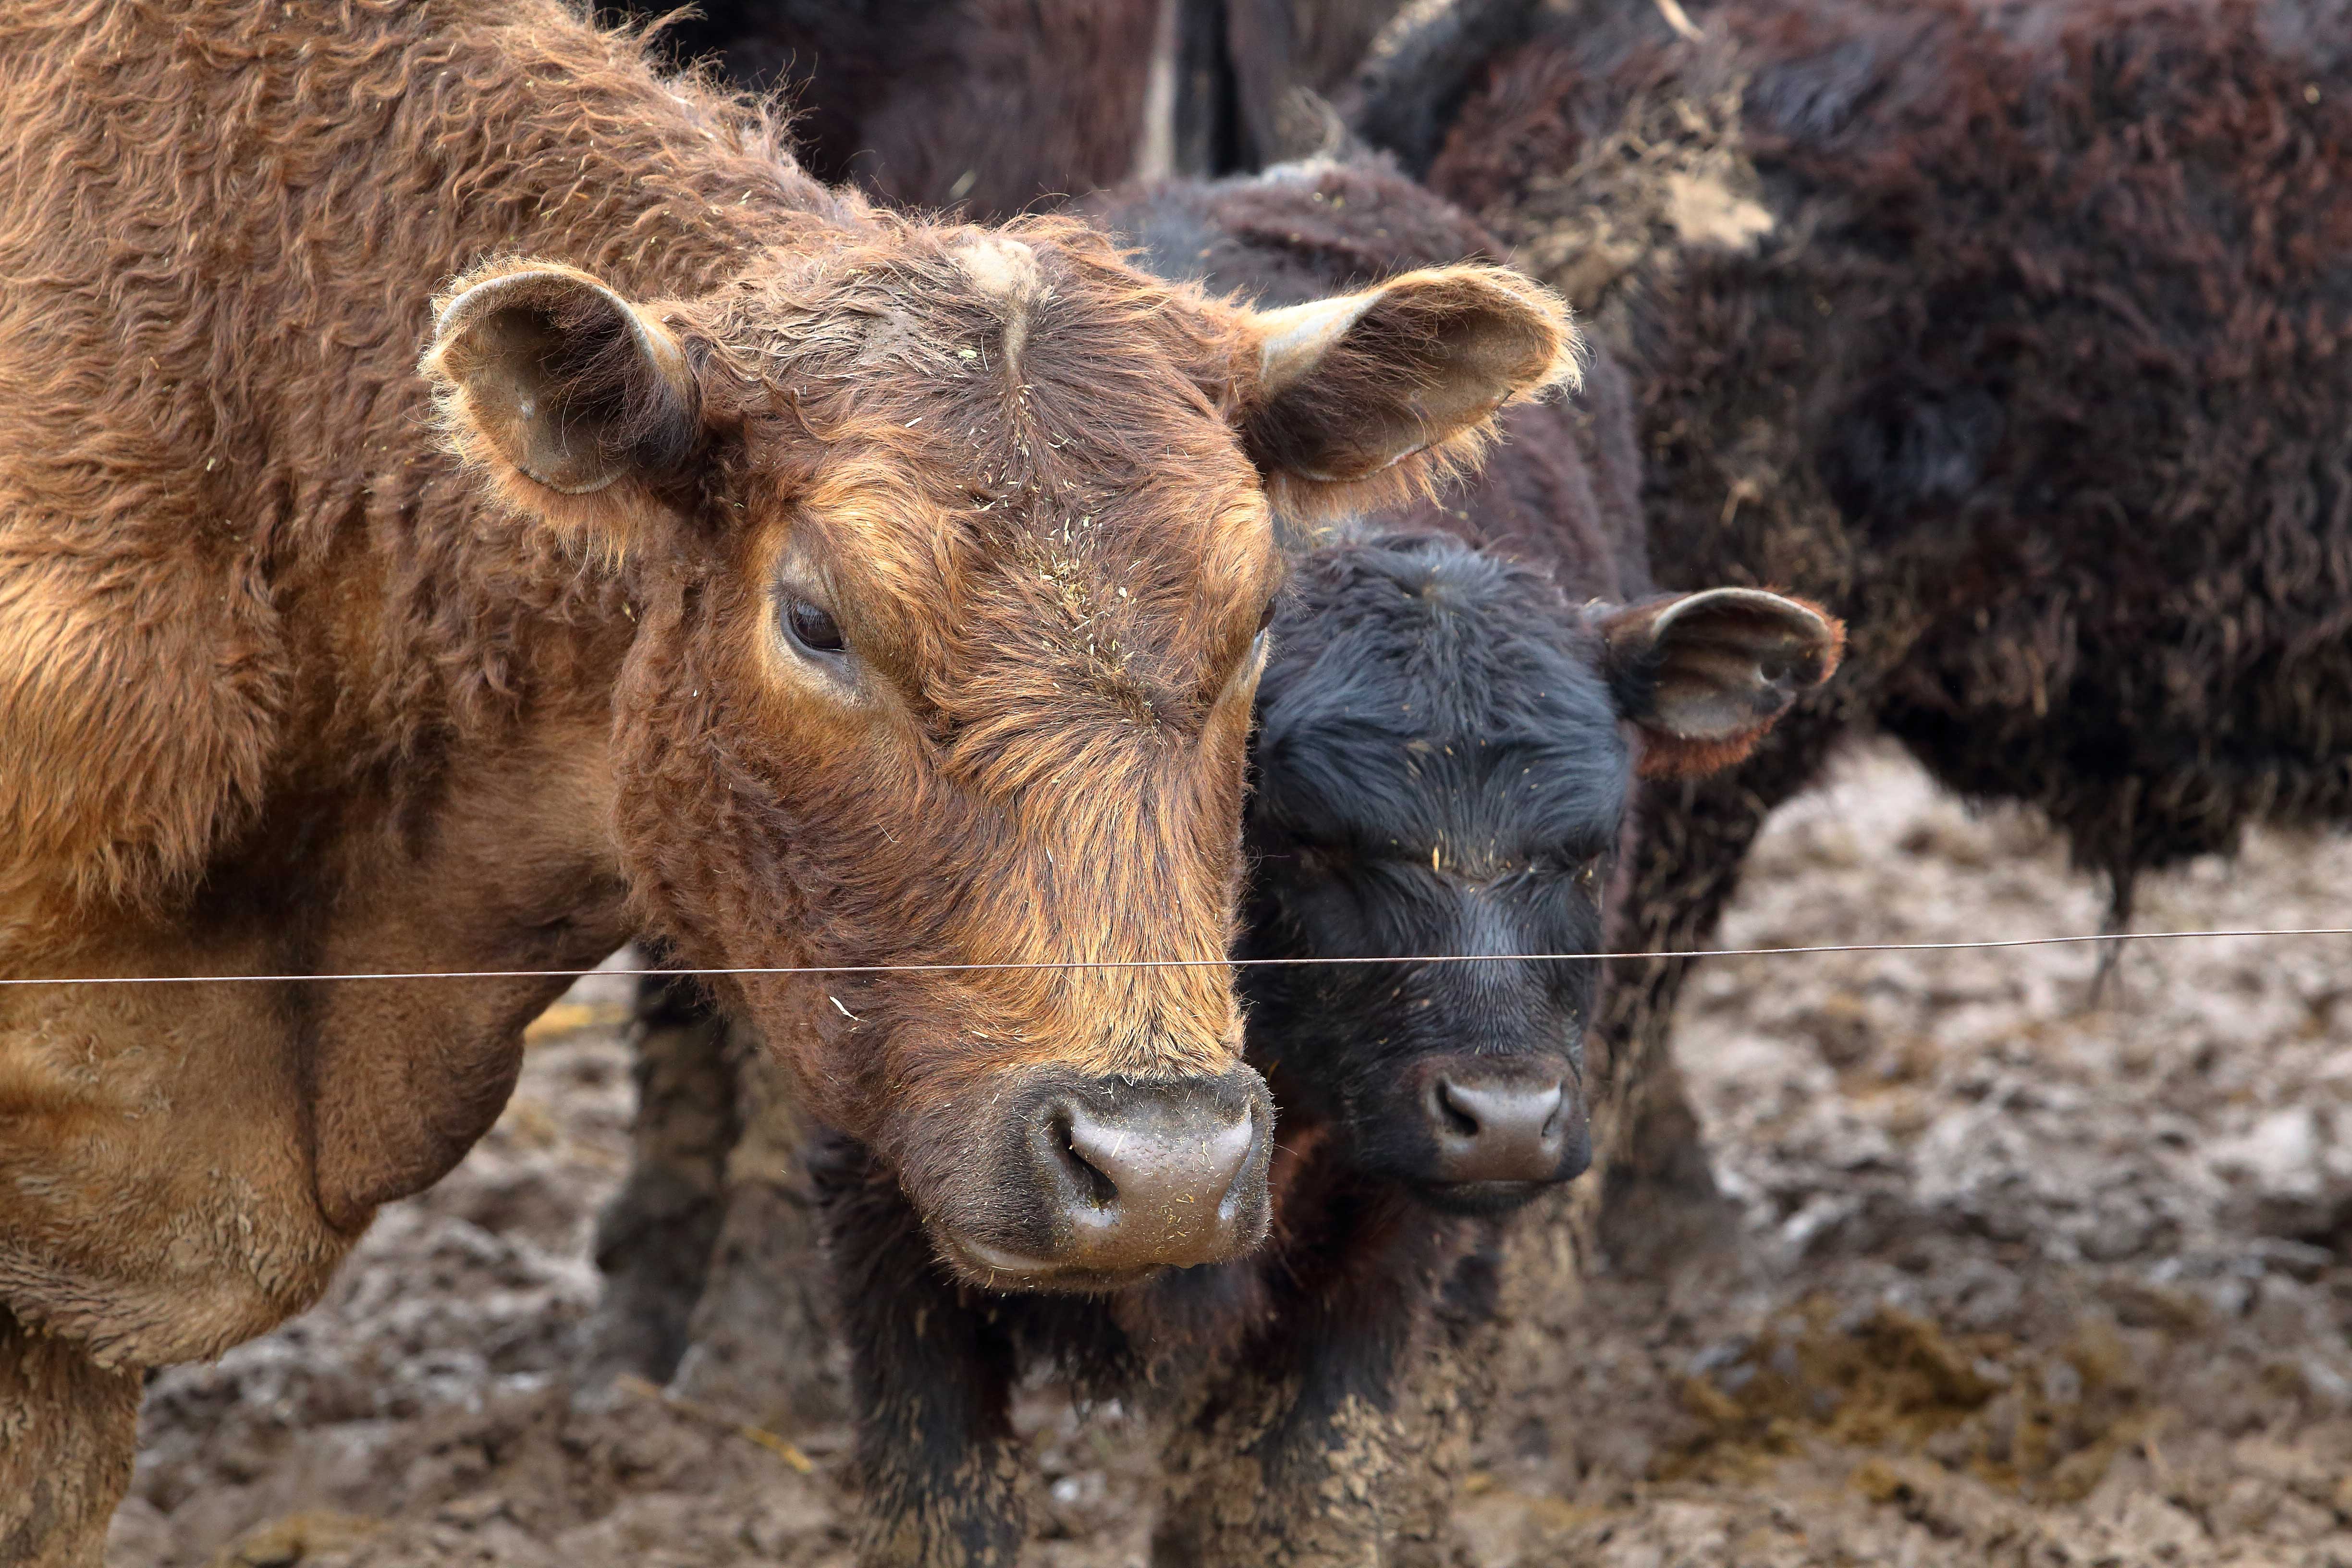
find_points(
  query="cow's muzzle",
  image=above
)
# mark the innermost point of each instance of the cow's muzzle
(1106, 1180)
(1500, 1130)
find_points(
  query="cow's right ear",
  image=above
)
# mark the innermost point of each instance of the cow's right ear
(576, 404)
(1705, 676)
(1362, 398)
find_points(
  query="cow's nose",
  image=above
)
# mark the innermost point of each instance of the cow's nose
(1154, 1175)
(1490, 1127)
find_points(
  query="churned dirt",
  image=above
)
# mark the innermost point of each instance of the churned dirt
(2031, 1280)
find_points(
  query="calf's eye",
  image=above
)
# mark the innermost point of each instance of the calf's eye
(811, 626)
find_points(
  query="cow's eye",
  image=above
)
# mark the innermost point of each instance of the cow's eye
(811, 625)
(1320, 853)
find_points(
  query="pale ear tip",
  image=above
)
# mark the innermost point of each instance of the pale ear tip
(461, 289)
(1571, 351)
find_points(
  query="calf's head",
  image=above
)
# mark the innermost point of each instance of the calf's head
(1445, 750)
(949, 552)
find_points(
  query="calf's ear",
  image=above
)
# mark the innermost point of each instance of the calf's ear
(574, 401)
(1705, 674)
(1367, 396)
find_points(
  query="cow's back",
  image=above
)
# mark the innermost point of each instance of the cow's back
(225, 530)
(2014, 330)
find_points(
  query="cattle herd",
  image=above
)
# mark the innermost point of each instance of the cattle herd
(1097, 488)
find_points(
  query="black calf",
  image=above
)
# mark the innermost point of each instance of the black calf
(1439, 771)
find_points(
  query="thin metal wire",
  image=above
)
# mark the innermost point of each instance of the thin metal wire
(1193, 962)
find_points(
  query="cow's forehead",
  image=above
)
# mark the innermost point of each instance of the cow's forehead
(1020, 433)
(964, 481)
(920, 511)
(960, 311)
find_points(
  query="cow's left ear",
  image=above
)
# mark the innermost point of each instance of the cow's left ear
(1705, 674)
(1364, 395)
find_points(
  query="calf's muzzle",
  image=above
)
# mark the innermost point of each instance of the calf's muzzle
(1114, 1178)
(1498, 1123)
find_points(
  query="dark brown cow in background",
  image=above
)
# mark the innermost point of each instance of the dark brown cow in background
(997, 106)
(826, 588)
(2014, 333)
(981, 104)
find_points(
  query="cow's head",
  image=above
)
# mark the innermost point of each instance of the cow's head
(950, 559)
(1442, 767)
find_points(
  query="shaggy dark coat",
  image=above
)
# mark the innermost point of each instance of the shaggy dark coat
(2016, 334)
(987, 105)
(996, 106)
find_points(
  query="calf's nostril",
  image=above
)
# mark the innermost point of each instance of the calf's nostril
(1451, 1113)
(1499, 1128)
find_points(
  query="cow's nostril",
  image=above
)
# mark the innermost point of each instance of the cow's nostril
(1091, 1180)
(1449, 1112)
(1104, 1180)
(1146, 1174)
(1492, 1124)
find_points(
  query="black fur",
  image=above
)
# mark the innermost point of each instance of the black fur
(2035, 374)
(1425, 700)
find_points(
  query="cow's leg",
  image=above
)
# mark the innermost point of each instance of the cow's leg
(713, 1275)
(761, 1345)
(1445, 1403)
(654, 1239)
(1317, 1448)
(69, 1432)
(930, 1384)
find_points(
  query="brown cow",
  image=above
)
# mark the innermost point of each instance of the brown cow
(828, 588)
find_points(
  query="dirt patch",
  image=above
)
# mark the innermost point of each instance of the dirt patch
(2031, 1281)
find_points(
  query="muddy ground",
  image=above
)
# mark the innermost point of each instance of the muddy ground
(2032, 1280)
